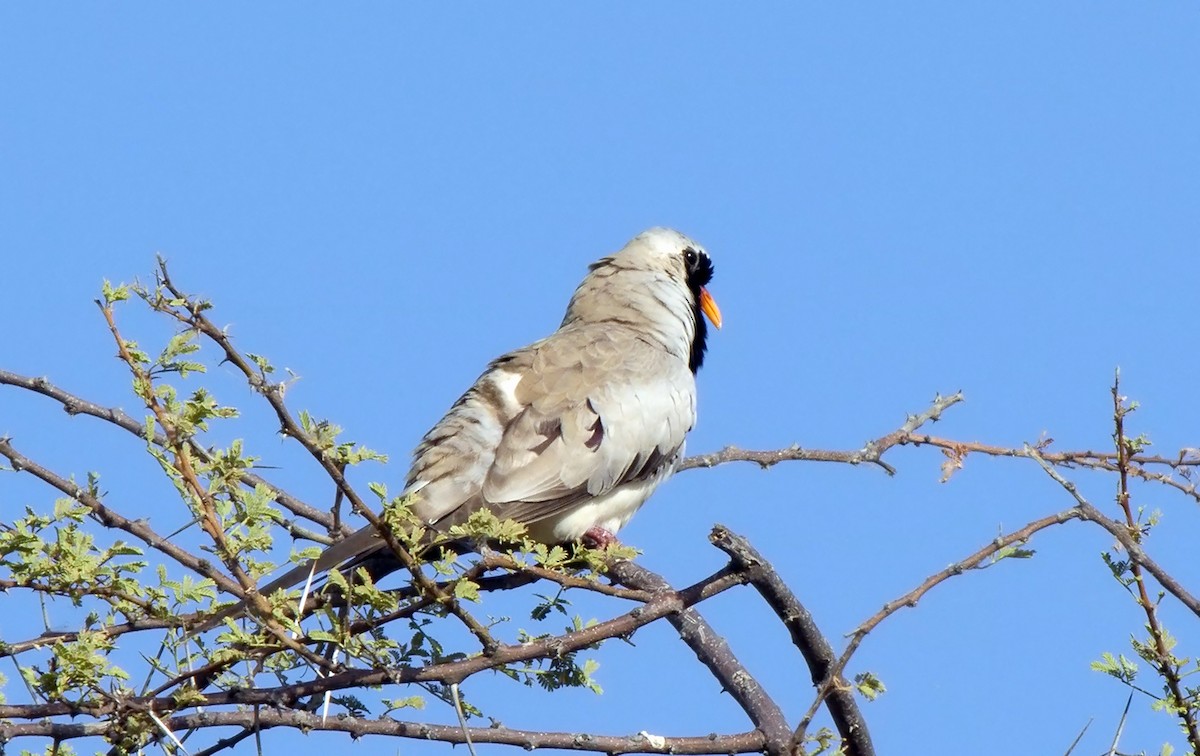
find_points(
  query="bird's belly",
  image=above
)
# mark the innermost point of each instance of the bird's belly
(609, 511)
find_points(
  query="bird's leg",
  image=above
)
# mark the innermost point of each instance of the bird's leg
(599, 538)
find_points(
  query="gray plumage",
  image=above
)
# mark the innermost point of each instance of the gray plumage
(571, 434)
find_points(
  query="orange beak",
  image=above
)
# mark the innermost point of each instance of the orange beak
(708, 306)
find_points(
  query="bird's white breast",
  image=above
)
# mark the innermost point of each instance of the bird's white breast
(609, 511)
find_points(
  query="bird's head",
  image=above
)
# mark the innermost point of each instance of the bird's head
(657, 282)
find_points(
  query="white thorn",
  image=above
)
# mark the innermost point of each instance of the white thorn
(462, 718)
(167, 731)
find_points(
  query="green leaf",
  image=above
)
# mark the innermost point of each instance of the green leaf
(114, 293)
(1013, 552)
(354, 707)
(869, 686)
(467, 590)
(412, 702)
(1117, 666)
(261, 363)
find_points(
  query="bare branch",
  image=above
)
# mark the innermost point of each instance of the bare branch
(872, 452)
(1187, 459)
(712, 651)
(1121, 532)
(818, 654)
(911, 598)
(746, 742)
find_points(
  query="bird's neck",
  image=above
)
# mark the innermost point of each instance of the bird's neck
(658, 309)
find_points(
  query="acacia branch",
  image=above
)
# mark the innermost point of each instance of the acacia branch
(872, 452)
(192, 316)
(1121, 533)
(110, 519)
(109, 631)
(1186, 461)
(515, 575)
(662, 604)
(144, 387)
(1165, 661)
(137, 528)
(519, 577)
(75, 405)
(205, 503)
(911, 598)
(746, 742)
(289, 705)
(659, 605)
(100, 589)
(806, 636)
(712, 651)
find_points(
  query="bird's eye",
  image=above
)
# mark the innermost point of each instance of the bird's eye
(689, 255)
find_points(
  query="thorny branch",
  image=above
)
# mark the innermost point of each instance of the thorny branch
(872, 452)
(1163, 660)
(190, 313)
(73, 405)
(111, 519)
(818, 654)
(1139, 465)
(663, 604)
(203, 500)
(256, 709)
(746, 742)
(714, 653)
(1127, 534)
(181, 460)
(910, 599)
(1119, 531)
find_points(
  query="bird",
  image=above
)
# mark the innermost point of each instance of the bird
(571, 434)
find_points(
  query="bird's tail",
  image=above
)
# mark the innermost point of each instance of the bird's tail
(346, 553)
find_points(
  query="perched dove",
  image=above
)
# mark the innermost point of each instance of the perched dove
(571, 434)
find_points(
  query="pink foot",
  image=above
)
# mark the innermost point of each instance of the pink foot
(599, 538)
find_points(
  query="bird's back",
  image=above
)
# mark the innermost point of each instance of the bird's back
(552, 427)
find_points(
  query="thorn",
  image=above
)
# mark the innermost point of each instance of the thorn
(462, 718)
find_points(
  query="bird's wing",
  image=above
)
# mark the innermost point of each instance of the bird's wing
(598, 407)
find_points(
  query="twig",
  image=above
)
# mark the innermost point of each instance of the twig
(1121, 533)
(179, 449)
(1186, 460)
(517, 577)
(1168, 668)
(181, 462)
(225, 743)
(75, 405)
(872, 452)
(332, 466)
(110, 519)
(663, 603)
(911, 598)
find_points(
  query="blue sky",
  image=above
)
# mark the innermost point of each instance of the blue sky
(900, 200)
